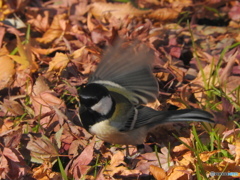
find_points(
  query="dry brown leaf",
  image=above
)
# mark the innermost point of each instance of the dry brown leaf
(59, 62)
(5, 10)
(158, 173)
(41, 22)
(165, 14)
(7, 125)
(182, 147)
(118, 166)
(38, 50)
(79, 166)
(40, 86)
(78, 52)
(148, 159)
(25, 58)
(228, 165)
(11, 107)
(231, 87)
(103, 10)
(237, 150)
(187, 159)
(7, 70)
(44, 172)
(56, 30)
(45, 103)
(181, 3)
(204, 156)
(12, 164)
(179, 172)
(42, 149)
(153, 105)
(176, 101)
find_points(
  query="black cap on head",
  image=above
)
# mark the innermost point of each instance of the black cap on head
(92, 94)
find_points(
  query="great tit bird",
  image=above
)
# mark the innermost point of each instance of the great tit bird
(112, 102)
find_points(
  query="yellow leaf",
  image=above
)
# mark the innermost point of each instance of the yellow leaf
(204, 156)
(7, 71)
(59, 62)
(78, 52)
(179, 172)
(56, 29)
(25, 58)
(157, 172)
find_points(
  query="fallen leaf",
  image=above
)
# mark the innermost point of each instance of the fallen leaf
(178, 172)
(44, 172)
(40, 86)
(7, 71)
(59, 62)
(182, 147)
(237, 150)
(12, 164)
(41, 22)
(12, 108)
(164, 14)
(25, 58)
(42, 149)
(79, 166)
(103, 10)
(204, 156)
(157, 172)
(56, 29)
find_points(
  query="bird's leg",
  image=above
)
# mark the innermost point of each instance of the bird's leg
(127, 151)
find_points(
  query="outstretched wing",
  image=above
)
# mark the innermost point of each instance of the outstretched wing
(124, 69)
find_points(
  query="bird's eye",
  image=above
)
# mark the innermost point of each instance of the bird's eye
(83, 85)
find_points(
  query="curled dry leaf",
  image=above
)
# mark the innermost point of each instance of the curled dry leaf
(103, 10)
(164, 14)
(157, 172)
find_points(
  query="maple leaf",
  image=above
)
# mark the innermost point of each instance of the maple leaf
(25, 58)
(59, 62)
(56, 29)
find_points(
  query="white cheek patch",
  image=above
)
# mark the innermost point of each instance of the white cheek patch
(103, 106)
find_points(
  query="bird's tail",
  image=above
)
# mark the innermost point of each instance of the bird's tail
(188, 115)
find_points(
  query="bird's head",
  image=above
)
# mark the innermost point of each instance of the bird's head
(96, 98)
